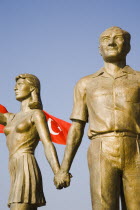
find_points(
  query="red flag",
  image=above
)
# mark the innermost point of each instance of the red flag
(2, 110)
(58, 128)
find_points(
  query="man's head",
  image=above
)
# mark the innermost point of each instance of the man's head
(114, 44)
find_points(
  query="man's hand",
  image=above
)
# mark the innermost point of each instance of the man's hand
(62, 179)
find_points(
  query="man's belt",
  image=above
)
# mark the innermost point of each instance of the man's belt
(117, 134)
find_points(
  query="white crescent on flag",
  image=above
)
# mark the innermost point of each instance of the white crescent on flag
(50, 127)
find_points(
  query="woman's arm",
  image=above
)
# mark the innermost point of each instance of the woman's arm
(43, 131)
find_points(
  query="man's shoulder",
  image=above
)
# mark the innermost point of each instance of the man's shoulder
(137, 76)
(137, 72)
(82, 83)
(86, 79)
(130, 70)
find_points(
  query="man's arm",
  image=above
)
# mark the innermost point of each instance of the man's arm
(79, 117)
(74, 139)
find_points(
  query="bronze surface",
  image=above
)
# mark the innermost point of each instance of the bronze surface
(110, 101)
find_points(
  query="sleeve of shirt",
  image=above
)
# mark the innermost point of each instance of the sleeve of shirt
(80, 111)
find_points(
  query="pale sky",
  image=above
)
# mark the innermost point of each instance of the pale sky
(57, 40)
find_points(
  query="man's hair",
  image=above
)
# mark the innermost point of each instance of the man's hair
(126, 34)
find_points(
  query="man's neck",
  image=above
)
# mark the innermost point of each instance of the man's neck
(113, 68)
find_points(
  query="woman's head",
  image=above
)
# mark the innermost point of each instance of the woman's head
(30, 85)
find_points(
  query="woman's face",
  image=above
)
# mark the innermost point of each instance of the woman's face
(22, 89)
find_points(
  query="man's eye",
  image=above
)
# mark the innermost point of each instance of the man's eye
(105, 38)
(119, 38)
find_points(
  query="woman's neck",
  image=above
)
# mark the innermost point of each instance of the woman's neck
(25, 105)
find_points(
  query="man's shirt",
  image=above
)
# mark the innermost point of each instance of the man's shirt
(108, 104)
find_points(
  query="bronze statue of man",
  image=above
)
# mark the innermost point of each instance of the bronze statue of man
(110, 101)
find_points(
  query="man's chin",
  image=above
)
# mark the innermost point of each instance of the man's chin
(113, 58)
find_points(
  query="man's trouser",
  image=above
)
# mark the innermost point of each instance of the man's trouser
(114, 165)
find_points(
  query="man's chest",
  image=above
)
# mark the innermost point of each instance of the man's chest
(124, 89)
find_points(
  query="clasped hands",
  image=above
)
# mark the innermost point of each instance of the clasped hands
(62, 179)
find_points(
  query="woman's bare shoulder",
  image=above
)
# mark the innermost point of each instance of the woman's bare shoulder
(38, 115)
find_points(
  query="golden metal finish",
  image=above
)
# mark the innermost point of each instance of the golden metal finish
(110, 101)
(23, 131)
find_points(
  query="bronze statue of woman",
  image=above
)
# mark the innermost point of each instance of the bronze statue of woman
(23, 131)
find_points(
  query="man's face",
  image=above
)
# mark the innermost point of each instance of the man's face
(113, 45)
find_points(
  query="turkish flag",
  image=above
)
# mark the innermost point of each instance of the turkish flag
(58, 128)
(2, 110)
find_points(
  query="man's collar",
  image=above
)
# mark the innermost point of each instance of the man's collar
(126, 70)
(99, 72)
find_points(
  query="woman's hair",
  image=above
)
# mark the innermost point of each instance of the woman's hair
(35, 102)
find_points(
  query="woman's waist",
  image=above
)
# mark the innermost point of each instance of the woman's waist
(21, 151)
(27, 146)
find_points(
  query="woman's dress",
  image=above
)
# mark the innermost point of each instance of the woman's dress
(25, 175)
